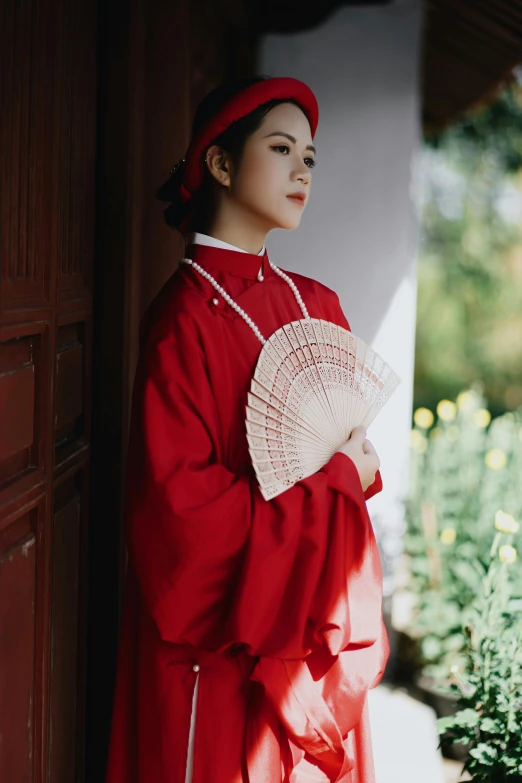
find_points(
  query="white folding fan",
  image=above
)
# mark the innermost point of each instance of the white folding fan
(314, 382)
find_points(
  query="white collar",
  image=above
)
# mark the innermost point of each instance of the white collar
(197, 238)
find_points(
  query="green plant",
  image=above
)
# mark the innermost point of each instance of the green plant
(489, 686)
(464, 475)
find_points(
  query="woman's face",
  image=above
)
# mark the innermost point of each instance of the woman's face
(276, 162)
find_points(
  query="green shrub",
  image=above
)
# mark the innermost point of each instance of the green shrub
(489, 685)
(465, 476)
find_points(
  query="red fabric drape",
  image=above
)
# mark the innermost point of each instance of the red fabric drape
(278, 602)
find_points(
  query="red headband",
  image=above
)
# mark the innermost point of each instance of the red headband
(239, 106)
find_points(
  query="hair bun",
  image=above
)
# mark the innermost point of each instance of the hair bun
(170, 192)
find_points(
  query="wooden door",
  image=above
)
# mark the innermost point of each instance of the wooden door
(156, 60)
(47, 145)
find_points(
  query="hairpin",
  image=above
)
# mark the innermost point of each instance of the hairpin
(176, 166)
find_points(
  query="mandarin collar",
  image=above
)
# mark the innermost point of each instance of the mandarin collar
(235, 262)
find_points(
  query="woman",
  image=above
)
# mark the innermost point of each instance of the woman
(252, 629)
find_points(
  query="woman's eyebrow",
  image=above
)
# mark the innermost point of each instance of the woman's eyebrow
(282, 133)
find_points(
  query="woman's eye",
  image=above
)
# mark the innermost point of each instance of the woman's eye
(310, 165)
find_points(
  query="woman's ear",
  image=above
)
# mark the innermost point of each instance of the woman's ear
(219, 164)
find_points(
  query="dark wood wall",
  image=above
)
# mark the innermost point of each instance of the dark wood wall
(96, 102)
(47, 149)
(156, 60)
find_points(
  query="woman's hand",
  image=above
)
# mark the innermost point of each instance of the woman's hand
(362, 453)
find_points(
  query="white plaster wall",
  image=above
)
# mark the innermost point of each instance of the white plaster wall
(359, 232)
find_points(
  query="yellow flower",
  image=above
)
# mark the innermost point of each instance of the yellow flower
(447, 410)
(507, 553)
(418, 442)
(448, 535)
(453, 432)
(466, 400)
(496, 459)
(482, 417)
(423, 418)
(505, 522)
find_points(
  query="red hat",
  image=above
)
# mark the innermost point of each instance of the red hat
(190, 169)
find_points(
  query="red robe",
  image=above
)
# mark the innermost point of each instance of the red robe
(277, 602)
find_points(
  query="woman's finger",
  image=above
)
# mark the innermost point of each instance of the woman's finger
(368, 447)
(358, 433)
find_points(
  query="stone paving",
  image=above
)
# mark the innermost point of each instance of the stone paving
(452, 771)
(405, 740)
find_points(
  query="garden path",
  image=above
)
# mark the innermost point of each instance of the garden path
(405, 739)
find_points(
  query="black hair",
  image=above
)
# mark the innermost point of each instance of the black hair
(233, 140)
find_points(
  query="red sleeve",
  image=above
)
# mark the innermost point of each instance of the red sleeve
(375, 487)
(217, 564)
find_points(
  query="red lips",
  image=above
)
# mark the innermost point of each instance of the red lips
(298, 195)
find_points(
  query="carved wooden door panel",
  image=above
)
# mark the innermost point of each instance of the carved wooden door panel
(47, 110)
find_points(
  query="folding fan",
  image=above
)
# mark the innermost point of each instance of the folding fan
(314, 382)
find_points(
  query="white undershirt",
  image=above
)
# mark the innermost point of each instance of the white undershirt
(197, 238)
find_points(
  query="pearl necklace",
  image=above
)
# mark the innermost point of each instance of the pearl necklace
(240, 310)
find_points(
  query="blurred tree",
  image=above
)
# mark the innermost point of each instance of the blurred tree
(493, 129)
(469, 324)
